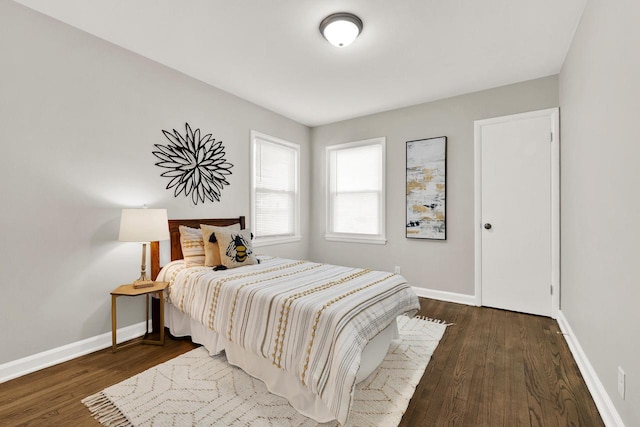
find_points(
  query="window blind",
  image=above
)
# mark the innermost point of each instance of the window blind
(356, 188)
(275, 188)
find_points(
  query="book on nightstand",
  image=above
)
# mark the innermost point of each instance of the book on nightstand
(143, 284)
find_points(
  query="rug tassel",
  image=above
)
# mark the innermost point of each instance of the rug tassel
(104, 411)
(438, 321)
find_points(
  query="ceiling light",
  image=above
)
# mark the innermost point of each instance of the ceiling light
(341, 29)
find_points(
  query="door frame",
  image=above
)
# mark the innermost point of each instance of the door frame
(554, 115)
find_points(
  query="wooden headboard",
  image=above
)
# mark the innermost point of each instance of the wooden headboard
(174, 236)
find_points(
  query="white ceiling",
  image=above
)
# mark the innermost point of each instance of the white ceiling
(272, 54)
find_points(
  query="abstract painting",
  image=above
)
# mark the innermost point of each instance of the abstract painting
(426, 188)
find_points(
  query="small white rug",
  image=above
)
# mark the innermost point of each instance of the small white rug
(195, 389)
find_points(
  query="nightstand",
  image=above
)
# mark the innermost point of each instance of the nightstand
(129, 291)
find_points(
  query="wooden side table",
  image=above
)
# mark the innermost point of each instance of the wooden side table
(129, 291)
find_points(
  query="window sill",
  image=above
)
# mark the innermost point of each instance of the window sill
(356, 239)
(270, 241)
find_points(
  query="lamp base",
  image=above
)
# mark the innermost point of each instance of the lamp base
(143, 283)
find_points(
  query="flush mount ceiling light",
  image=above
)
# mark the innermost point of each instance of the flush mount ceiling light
(341, 29)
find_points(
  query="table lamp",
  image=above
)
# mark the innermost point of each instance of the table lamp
(143, 225)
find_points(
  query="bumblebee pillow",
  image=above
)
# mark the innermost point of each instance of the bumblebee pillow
(235, 248)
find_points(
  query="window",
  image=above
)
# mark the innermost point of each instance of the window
(275, 198)
(356, 192)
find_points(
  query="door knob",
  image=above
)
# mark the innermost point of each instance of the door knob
(487, 226)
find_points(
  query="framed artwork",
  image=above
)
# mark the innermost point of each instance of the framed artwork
(426, 188)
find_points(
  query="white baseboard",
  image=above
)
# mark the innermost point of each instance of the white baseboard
(26, 365)
(603, 402)
(445, 296)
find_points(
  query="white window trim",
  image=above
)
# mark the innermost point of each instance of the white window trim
(355, 238)
(376, 239)
(275, 240)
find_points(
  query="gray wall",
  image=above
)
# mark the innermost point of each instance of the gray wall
(600, 149)
(79, 118)
(439, 265)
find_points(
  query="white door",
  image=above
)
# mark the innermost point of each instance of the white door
(516, 212)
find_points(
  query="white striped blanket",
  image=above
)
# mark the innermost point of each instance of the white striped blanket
(312, 320)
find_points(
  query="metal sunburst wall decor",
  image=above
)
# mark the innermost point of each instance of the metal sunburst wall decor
(195, 164)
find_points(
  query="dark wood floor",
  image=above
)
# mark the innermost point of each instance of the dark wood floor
(492, 368)
(499, 368)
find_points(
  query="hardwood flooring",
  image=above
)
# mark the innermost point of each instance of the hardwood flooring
(499, 368)
(492, 368)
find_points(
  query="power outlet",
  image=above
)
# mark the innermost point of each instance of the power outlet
(621, 382)
(396, 269)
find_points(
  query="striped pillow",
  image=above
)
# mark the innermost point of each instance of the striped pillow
(211, 250)
(192, 246)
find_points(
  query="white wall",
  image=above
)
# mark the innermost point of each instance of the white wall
(439, 265)
(600, 150)
(79, 118)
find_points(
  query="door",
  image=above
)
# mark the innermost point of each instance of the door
(516, 176)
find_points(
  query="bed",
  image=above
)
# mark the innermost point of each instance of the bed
(309, 331)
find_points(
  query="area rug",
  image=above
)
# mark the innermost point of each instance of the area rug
(195, 389)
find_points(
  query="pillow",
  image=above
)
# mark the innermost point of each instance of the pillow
(235, 248)
(211, 250)
(192, 246)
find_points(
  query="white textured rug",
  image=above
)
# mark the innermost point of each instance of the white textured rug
(195, 389)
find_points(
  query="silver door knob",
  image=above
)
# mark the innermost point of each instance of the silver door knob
(487, 226)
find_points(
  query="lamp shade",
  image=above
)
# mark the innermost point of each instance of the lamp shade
(143, 225)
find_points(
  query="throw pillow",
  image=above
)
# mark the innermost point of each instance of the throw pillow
(211, 250)
(192, 246)
(235, 248)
